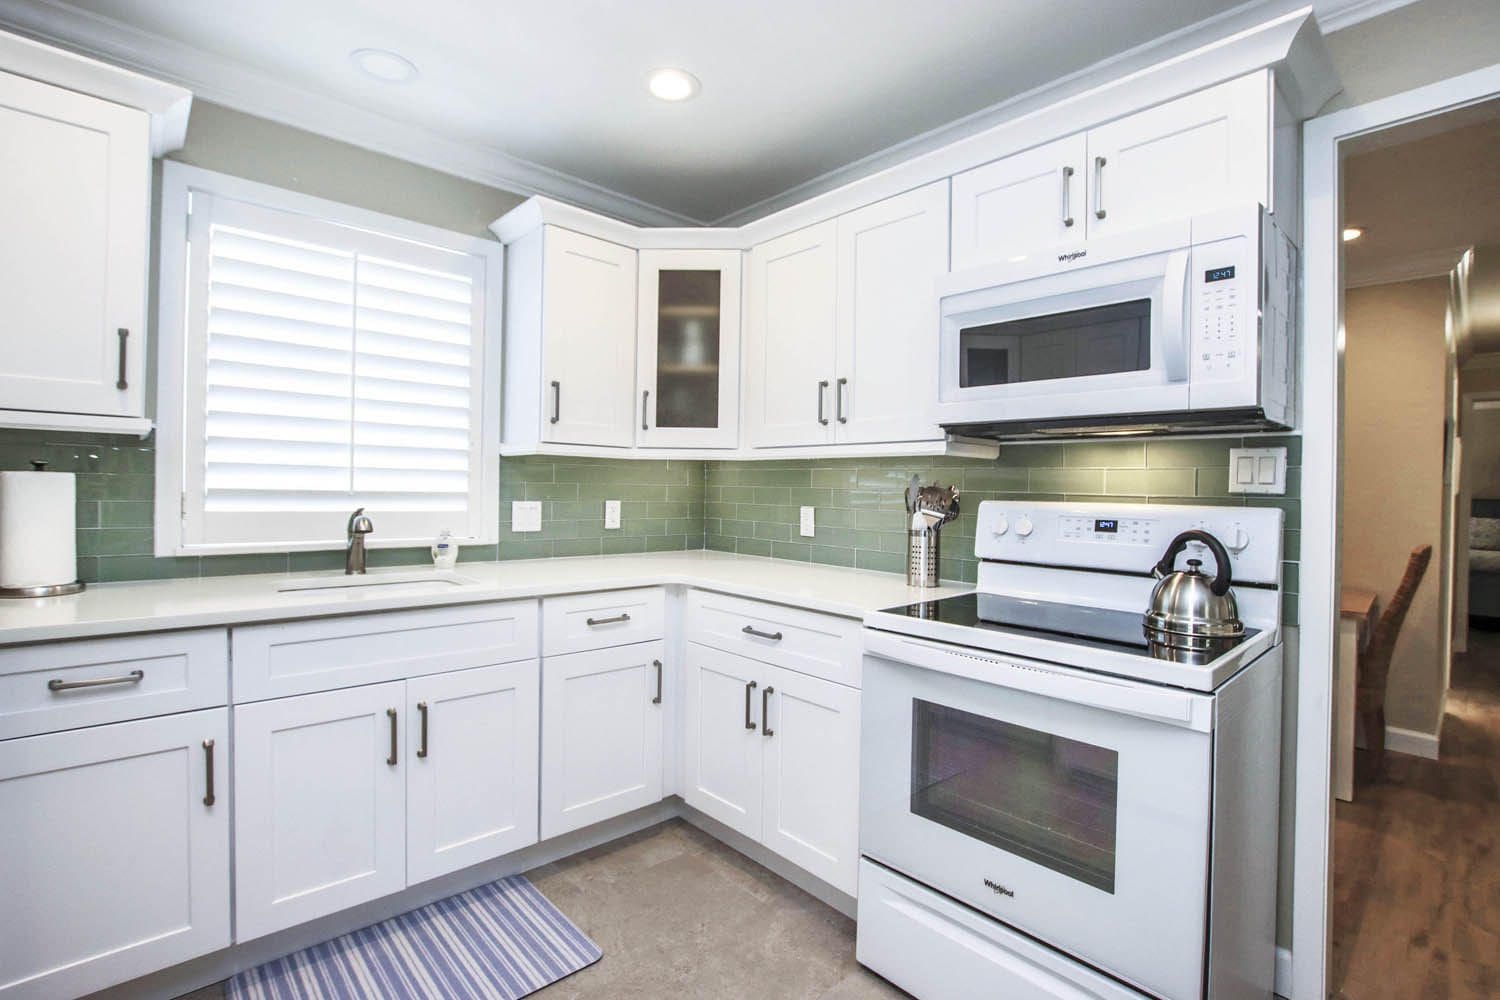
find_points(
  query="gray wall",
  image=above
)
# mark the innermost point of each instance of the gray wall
(1411, 46)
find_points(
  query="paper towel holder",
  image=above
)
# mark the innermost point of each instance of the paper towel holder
(51, 590)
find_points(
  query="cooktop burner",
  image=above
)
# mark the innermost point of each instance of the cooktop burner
(1099, 628)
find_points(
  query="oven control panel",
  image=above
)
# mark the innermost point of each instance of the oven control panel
(1126, 537)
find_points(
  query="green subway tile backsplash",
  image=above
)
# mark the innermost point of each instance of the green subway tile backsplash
(670, 505)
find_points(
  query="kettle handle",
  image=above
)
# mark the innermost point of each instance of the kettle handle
(1220, 586)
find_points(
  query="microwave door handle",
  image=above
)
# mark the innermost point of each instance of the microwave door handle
(1177, 326)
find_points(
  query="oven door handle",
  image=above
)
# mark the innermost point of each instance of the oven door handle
(1158, 704)
(1177, 312)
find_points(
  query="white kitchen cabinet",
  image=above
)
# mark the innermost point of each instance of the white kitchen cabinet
(688, 348)
(791, 308)
(811, 786)
(569, 341)
(721, 742)
(116, 857)
(1020, 204)
(320, 805)
(1208, 150)
(471, 767)
(601, 734)
(890, 254)
(75, 193)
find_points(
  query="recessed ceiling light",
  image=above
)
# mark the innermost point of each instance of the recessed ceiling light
(384, 65)
(1352, 233)
(672, 84)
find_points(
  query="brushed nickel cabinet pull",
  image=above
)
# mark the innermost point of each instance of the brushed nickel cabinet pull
(208, 771)
(838, 402)
(422, 712)
(390, 713)
(822, 392)
(657, 699)
(1067, 196)
(765, 712)
(1099, 162)
(124, 335)
(134, 677)
(556, 402)
(750, 686)
(752, 630)
(612, 620)
(645, 395)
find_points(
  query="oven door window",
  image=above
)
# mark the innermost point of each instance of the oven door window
(1102, 340)
(1042, 797)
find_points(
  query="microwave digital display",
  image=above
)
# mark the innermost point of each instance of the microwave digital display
(1219, 274)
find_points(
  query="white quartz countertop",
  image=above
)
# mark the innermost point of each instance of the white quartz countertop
(158, 605)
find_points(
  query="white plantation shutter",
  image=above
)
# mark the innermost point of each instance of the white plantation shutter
(328, 367)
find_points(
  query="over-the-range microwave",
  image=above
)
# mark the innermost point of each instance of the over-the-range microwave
(1183, 327)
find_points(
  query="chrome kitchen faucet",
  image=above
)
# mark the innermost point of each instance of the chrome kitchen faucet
(354, 551)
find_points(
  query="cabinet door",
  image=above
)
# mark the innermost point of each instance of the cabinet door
(319, 805)
(471, 767)
(74, 196)
(601, 734)
(811, 737)
(588, 324)
(789, 358)
(1205, 151)
(1021, 204)
(889, 256)
(721, 738)
(116, 863)
(689, 348)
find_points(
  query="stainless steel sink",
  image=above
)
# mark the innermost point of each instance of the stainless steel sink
(438, 579)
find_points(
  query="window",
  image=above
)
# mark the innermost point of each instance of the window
(315, 358)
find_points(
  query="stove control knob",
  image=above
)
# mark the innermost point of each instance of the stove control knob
(1002, 525)
(1024, 527)
(1240, 541)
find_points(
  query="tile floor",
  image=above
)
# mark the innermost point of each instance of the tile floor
(678, 914)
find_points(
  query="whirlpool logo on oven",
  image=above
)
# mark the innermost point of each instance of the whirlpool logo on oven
(1065, 258)
(999, 889)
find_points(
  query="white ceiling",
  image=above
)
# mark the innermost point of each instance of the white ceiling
(791, 88)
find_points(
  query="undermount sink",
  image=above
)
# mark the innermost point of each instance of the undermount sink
(429, 577)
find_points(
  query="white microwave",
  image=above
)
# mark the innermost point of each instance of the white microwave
(1182, 327)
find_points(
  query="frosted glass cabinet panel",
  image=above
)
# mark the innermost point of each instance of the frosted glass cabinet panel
(689, 339)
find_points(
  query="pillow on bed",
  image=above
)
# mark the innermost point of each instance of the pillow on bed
(1484, 533)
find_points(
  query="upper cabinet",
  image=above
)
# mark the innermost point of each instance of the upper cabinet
(75, 198)
(1209, 150)
(688, 345)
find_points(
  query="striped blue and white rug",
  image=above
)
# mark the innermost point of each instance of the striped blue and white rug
(501, 940)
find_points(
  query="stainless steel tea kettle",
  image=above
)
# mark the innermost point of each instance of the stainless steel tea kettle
(1193, 617)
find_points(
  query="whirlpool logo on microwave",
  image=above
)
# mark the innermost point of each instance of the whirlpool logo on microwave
(999, 889)
(1064, 258)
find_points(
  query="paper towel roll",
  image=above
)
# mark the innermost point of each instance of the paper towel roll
(38, 547)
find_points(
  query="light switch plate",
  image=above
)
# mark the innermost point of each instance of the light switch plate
(611, 514)
(526, 515)
(1257, 470)
(807, 522)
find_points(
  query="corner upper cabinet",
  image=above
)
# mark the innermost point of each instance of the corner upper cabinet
(570, 303)
(688, 337)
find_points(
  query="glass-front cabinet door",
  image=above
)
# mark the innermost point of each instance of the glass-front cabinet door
(689, 341)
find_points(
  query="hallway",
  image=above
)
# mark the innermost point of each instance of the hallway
(1416, 898)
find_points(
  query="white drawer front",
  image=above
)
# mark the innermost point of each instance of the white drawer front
(272, 661)
(578, 622)
(67, 685)
(805, 641)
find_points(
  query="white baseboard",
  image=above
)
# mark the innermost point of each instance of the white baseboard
(1411, 741)
(1283, 971)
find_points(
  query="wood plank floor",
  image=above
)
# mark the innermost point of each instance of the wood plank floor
(1416, 900)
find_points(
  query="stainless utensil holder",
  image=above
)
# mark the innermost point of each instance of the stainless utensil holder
(922, 557)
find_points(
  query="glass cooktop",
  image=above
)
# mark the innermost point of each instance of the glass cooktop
(1100, 628)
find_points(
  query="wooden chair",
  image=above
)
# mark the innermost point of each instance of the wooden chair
(1375, 661)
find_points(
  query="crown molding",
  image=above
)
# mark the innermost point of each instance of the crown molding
(1409, 267)
(1336, 15)
(252, 91)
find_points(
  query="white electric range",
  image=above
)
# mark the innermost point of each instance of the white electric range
(1049, 807)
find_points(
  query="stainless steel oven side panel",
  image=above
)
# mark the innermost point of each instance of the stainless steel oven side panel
(1151, 931)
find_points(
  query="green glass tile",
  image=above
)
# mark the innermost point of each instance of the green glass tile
(88, 569)
(1213, 482)
(396, 557)
(116, 568)
(881, 520)
(126, 513)
(525, 550)
(1291, 545)
(737, 494)
(773, 532)
(1189, 454)
(1068, 480)
(719, 543)
(615, 544)
(257, 562)
(552, 491)
(1150, 482)
(799, 551)
(1293, 509)
(666, 543)
(86, 514)
(1291, 442)
(578, 547)
(1290, 577)
(327, 561)
(886, 562)
(115, 542)
(774, 495)
(1031, 456)
(828, 555)
(995, 478)
(835, 479)
(1105, 455)
(800, 496)
(1289, 609)
(753, 547)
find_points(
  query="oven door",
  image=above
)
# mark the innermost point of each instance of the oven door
(1071, 806)
(1023, 342)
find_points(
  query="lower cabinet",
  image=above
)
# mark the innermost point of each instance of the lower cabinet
(337, 801)
(601, 734)
(116, 852)
(774, 754)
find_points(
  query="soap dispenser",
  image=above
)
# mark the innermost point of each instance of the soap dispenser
(444, 552)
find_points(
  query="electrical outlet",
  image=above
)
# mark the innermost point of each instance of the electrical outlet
(611, 514)
(526, 515)
(807, 522)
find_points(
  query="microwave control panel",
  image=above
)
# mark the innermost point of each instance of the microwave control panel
(1225, 317)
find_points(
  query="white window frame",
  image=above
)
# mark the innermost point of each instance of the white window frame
(179, 182)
